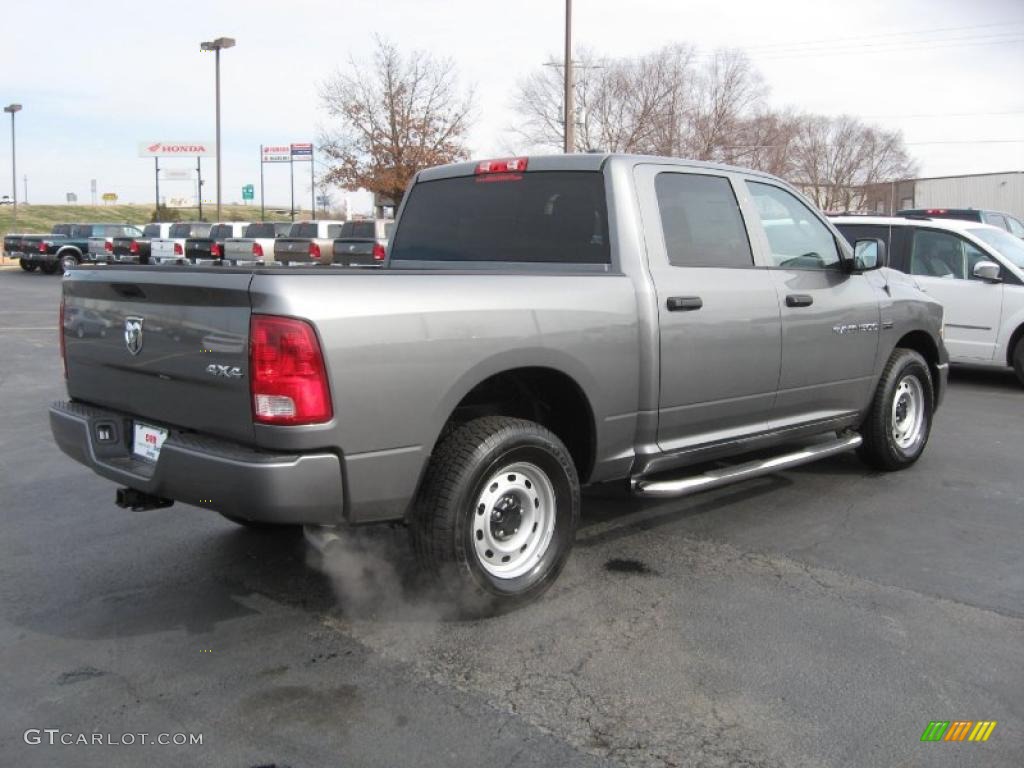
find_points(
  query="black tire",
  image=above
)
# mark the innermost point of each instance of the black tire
(49, 267)
(1018, 360)
(448, 526)
(882, 447)
(27, 266)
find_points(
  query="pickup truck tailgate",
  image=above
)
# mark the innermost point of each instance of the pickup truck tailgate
(169, 347)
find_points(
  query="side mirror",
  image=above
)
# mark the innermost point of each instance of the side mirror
(868, 254)
(988, 271)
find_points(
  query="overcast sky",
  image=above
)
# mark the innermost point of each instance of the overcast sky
(97, 77)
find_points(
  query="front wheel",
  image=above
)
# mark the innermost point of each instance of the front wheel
(496, 516)
(1018, 360)
(899, 422)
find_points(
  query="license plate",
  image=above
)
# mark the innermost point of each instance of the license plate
(148, 441)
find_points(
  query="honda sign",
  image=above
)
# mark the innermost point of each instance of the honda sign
(177, 149)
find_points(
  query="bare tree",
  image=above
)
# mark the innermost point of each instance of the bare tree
(837, 158)
(392, 118)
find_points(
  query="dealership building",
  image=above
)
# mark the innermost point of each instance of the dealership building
(992, 191)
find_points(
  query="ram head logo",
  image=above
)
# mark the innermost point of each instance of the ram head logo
(133, 334)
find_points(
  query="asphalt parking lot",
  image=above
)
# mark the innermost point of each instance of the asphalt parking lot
(820, 617)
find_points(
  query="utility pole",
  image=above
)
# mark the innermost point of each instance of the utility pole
(570, 106)
(25, 196)
(13, 108)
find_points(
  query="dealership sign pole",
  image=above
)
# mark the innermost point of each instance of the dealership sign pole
(274, 153)
(303, 152)
(158, 149)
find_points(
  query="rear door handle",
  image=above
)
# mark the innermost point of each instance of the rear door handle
(799, 300)
(683, 303)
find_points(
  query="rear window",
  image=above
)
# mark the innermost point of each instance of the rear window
(263, 230)
(187, 229)
(221, 231)
(62, 229)
(359, 229)
(540, 217)
(303, 230)
(151, 230)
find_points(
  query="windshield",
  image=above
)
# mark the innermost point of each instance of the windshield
(551, 216)
(1009, 247)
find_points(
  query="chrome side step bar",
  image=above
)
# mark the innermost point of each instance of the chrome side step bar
(666, 489)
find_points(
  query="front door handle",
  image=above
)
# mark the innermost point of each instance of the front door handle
(799, 300)
(683, 303)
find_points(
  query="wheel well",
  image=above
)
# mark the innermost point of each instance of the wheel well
(922, 343)
(66, 248)
(543, 395)
(1014, 340)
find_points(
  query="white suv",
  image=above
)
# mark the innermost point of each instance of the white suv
(975, 270)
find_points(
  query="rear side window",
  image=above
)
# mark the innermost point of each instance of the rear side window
(702, 222)
(539, 217)
(797, 238)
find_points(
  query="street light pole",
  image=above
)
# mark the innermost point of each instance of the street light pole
(570, 107)
(13, 108)
(216, 46)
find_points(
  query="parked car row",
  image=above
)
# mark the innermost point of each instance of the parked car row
(339, 243)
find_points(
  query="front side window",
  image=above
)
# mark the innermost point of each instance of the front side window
(937, 254)
(701, 221)
(797, 238)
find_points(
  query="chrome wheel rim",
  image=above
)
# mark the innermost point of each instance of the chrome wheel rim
(908, 412)
(68, 262)
(513, 520)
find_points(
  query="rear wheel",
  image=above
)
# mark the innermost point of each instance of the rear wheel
(497, 512)
(68, 261)
(49, 267)
(899, 422)
(1018, 360)
(27, 266)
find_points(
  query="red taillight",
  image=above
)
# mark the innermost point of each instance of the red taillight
(215, 250)
(60, 339)
(257, 250)
(134, 247)
(935, 211)
(378, 252)
(314, 251)
(178, 250)
(42, 246)
(286, 372)
(108, 246)
(509, 165)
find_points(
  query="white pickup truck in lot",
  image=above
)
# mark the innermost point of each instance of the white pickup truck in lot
(256, 246)
(543, 323)
(171, 249)
(308, 242)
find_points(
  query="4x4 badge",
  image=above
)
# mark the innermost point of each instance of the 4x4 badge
(133, 334)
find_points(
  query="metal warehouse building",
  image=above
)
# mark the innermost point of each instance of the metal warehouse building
(994, 191)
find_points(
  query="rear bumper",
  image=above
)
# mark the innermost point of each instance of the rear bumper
(303, 488)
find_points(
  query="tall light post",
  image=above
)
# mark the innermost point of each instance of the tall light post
(14, 108)
(570, 106)
(216, 46)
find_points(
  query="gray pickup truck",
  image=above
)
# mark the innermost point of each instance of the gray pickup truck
(544, 323)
